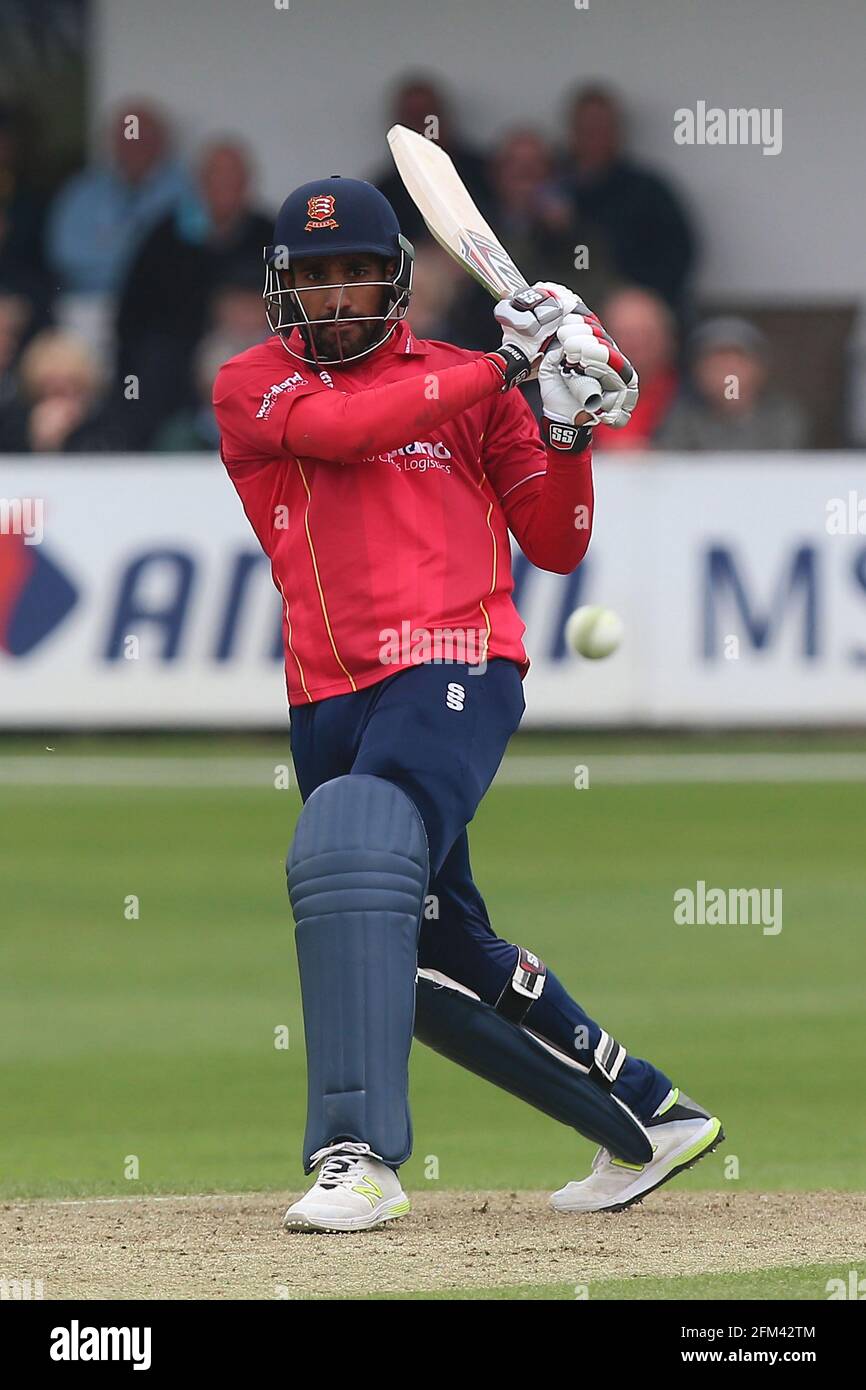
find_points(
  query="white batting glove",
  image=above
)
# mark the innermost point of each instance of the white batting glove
(530, 318)
(559, 427)
(590, 356)
(560, 394)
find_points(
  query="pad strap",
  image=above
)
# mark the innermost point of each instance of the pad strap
(523, 987)
(608, 1060)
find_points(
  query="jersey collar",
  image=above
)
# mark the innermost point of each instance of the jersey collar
(404, 343)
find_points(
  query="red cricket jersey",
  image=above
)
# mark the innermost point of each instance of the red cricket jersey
(389, 556)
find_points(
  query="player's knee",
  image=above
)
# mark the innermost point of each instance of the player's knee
(360, 846)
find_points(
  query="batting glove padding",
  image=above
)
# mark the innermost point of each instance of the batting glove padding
(590, 358)
(563, 397)
(529, 320)
(558, 429)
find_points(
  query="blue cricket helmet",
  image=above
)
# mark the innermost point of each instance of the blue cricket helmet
(335, 217)
(330, 217)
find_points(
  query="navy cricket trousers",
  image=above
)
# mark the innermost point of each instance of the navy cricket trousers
(438, 732)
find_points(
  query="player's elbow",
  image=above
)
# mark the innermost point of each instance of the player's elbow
(558, 559)
(561, 567)
(554, 564)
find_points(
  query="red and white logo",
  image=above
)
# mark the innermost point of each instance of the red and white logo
(320, 211)
(320, 207)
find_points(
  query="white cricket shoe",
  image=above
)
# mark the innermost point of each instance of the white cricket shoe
(680, 1131)
(353, 1191)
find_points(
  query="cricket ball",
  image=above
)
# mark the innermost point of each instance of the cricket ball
(593, 631)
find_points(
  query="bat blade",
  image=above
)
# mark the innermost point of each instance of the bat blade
(443, 200)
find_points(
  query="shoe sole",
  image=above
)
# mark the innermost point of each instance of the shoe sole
(714, 1142)
(307, 1225)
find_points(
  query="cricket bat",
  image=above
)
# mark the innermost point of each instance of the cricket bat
(442, 199)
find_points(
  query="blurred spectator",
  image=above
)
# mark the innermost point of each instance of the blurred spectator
(528, 216)
(642, 325)
(731, 407)
(61, 406)
(421, 104)
(207, 242)
(195, 428)
(435, 290)
(632, 222)
(14, 319)
(521, 166)
(22, 267)
(447, 305)
(100, 216)
(237, 308)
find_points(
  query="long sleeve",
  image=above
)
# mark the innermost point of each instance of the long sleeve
(342, 428)
(546, 495)
(551, 517)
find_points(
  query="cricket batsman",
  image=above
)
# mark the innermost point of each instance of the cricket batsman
(382, 476)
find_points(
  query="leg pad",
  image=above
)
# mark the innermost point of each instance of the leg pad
(454, 1022)
(357, 875)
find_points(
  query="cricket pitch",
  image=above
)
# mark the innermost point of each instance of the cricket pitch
(232, 1247)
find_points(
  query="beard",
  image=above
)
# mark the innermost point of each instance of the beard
(346, 336)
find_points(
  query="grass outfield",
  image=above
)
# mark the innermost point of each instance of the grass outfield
(798, 1282)
(154, 1038)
